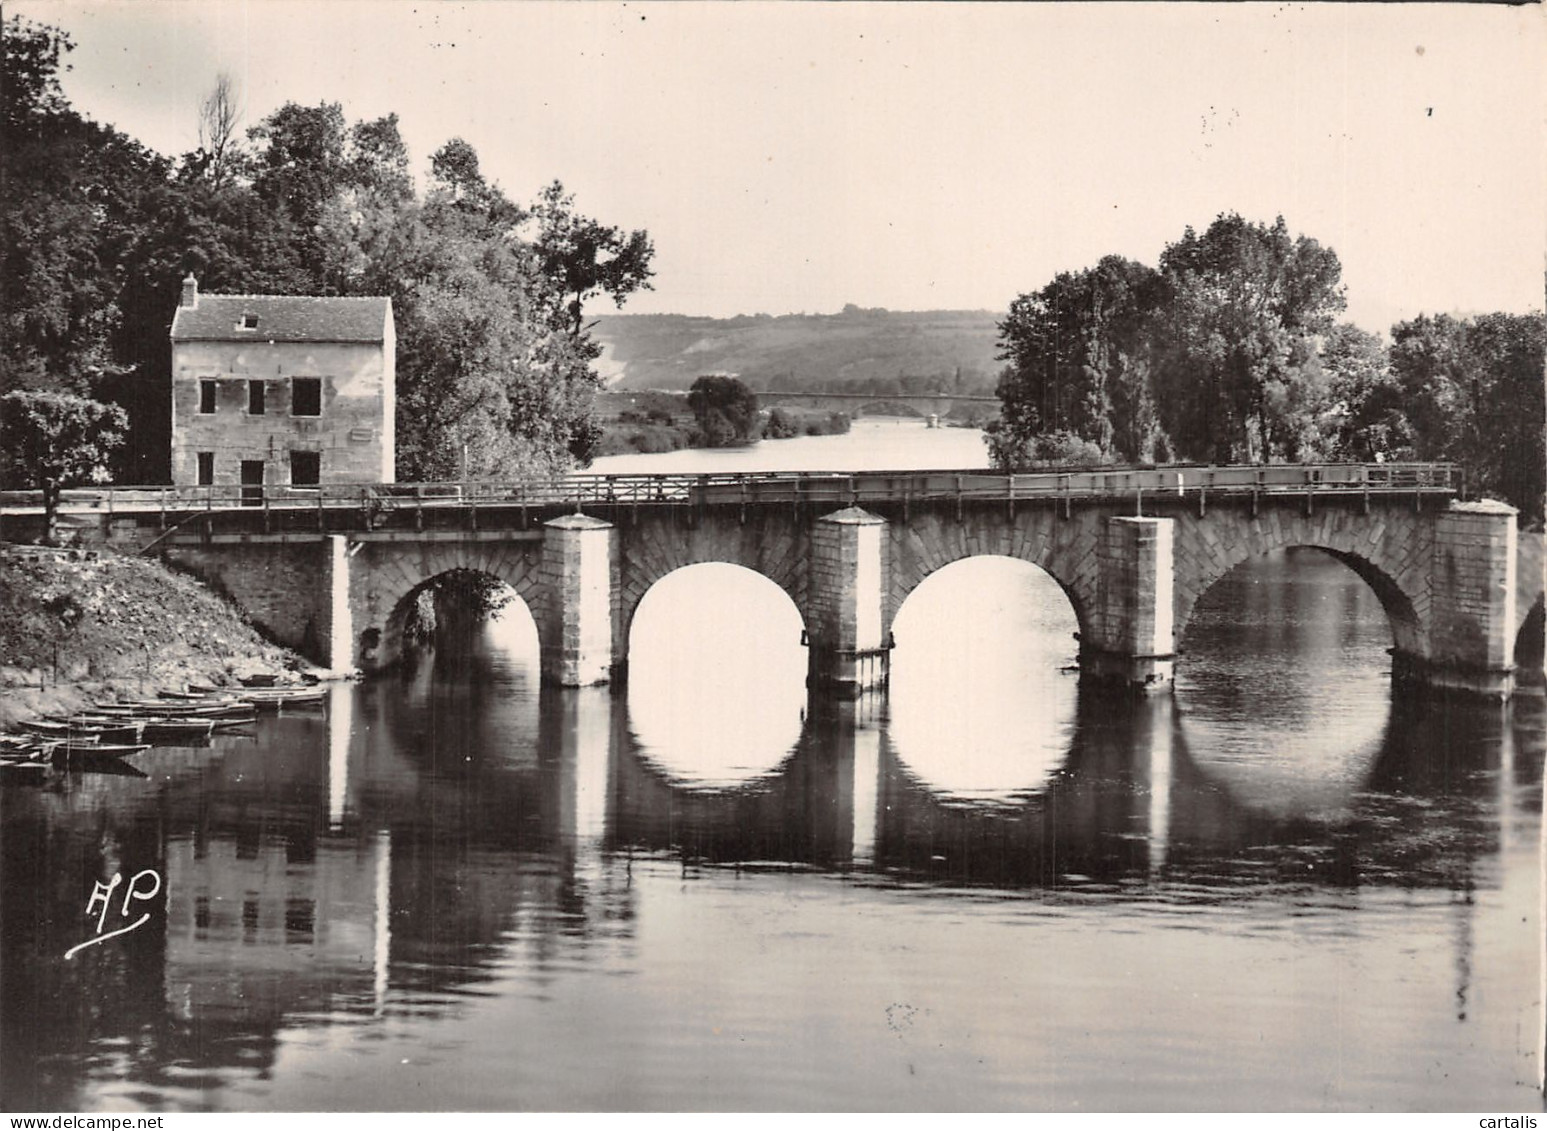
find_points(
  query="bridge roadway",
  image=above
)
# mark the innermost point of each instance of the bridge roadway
(338, 505)
(333, 570)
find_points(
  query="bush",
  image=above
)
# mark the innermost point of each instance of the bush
(781, 425)
(833, 424)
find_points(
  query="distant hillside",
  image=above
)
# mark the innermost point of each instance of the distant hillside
(868, 348)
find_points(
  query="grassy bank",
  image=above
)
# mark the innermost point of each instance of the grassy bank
(76, 626)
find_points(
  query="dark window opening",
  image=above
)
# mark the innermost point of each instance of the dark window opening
(300, 920)
(255, 395)
(305, 469)
(207, 395)
(306, 396)
(252, 482)
(248, 322)
(206, 468)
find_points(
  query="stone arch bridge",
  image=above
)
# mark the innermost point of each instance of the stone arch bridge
(332, 571)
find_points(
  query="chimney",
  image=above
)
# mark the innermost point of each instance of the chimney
(190, 291)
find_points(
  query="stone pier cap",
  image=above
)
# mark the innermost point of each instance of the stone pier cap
(1482, 506)
(578, 521)
(854, 516)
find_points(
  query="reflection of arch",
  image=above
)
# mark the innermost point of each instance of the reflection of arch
(718, 677)
(397, 585)
(958, 715)
(1390, 561)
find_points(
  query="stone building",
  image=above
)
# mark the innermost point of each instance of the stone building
(287, 390)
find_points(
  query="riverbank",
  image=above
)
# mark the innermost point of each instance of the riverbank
(654, 423)
(78, 626)
(872, 444)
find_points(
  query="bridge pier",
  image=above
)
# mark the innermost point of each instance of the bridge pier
(1130, 640)
(1472, 615)
(850, 651)
(580, 574)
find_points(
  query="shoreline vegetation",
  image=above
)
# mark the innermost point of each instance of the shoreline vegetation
(80, 626)
(651, 423)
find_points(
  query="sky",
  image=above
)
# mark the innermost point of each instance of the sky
(789, 157)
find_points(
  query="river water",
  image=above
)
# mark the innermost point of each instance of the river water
(448, 890)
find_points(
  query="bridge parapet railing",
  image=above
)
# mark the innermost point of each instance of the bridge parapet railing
(817, 488)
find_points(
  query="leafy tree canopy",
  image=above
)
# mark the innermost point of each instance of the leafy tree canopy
(725, 408)
(56, 440)
(96, 233)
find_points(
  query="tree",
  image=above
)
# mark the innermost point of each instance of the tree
(376, 161)
(219, 114)
(30, 56)
(300, 169)
(1078, 366)
(455, 169)
(585, 258)
(1364, 421)
(1471, 391)
(725, 408)
(55, 440)
(1235, 340)
(71, 190)
(97, 233)
(1504, 451)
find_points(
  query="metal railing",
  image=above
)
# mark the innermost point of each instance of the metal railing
(817, 487)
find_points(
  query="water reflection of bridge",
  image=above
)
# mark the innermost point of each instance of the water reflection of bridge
(361, 864)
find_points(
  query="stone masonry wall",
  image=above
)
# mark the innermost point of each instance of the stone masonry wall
(579, 578)
(353, 435)
(1474, 588)
(284, 587)
(1137, 586)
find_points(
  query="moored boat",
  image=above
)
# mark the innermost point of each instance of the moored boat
(285, 696)
(169, 729)
(160, 708)
(102, 727)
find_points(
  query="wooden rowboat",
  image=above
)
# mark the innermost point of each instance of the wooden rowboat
(285, 696)
(161, 708)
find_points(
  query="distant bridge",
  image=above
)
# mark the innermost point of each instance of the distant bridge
(334, 570)
(925, 404)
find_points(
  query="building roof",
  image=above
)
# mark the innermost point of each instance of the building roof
(282, 318)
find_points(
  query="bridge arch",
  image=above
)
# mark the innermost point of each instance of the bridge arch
(1066, 549)
(397, 572)
(631, 608)
(1391, 555)
(774, 546)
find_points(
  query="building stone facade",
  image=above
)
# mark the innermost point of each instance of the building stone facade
(282, 390)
